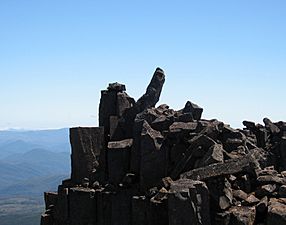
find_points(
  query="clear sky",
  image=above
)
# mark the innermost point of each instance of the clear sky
(228, 56)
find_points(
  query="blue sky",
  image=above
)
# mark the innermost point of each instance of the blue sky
(55, 57)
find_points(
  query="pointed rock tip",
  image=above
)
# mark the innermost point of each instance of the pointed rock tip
(159, 70)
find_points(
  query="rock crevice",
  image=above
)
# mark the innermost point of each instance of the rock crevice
(158, 166)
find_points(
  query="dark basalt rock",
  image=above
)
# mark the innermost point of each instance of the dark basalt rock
(87, 145)
(118, 158)
(82, 204)
(213, 155)
(276, 212)
(189, 201)
(153, 159)
(194, 110)
(242, 215)
(232, 166)
(125, 122)
(153, 91)
(158, 166)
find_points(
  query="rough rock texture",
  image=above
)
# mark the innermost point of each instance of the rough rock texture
(87, 144)
(158, 166)
(188, 201)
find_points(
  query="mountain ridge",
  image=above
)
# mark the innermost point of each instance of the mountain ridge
(31, 162)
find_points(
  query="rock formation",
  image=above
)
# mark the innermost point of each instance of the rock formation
(158, 166)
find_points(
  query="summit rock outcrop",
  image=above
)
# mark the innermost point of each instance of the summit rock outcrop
(159, 166)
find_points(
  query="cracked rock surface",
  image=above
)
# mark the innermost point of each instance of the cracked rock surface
(148, 165)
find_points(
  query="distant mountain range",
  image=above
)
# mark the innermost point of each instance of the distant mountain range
(16, 170)
(13, 141)
(32, 156)
(31, 162)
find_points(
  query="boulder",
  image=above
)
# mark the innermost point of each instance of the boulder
(276, 212)
(188, 203)
(232, 166)
(193, 110)
(242, 215)
(181, 126)
(213, 155)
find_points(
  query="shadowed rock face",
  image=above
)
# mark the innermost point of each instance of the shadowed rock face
(159, 166)
(125, 124)
(87, 144)
(153, 92)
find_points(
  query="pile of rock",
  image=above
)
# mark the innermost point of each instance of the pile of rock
(157, 166)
